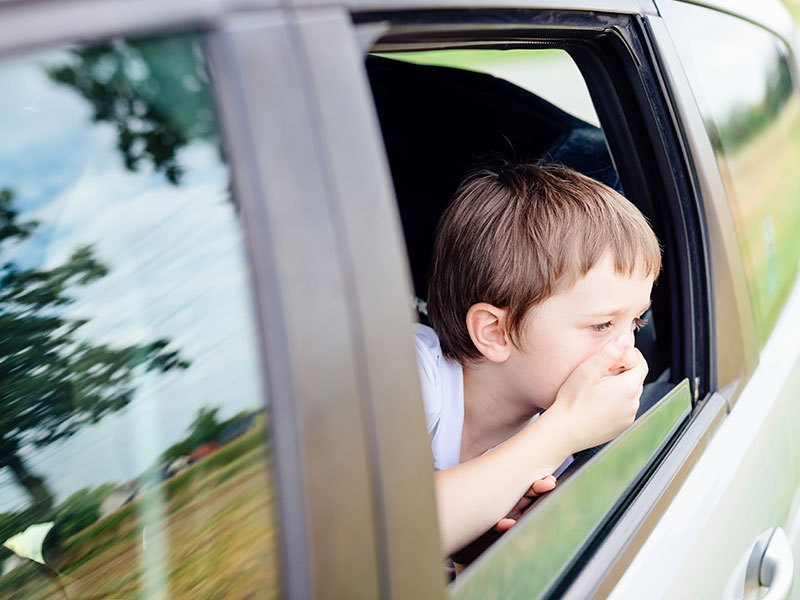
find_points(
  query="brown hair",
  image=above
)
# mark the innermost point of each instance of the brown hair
(515, 236)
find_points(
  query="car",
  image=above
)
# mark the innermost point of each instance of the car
(217, 218)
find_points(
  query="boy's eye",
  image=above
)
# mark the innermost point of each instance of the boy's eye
(636, 325)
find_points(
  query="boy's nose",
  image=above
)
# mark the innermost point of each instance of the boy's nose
(631, 335)
(619, 333)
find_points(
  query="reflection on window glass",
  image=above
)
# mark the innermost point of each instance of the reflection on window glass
(133, 431)
(753, 117)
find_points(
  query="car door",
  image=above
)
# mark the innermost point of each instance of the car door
(714, 341)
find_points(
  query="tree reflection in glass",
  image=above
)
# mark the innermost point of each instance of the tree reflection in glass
(132, 415)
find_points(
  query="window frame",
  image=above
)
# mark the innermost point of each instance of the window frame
(578, 34)
(373, 254)
(661, 150)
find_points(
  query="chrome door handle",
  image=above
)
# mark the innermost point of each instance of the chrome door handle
(771, 566)
(777, 567)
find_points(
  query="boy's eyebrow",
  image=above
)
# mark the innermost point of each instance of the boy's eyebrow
(616, 311)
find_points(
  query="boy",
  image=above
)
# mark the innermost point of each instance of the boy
(540, 277)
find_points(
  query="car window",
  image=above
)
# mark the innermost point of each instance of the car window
(134, 432)
(744, 86)
(441, 113)
(444, 112)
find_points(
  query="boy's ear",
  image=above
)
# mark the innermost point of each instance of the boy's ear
(487, 327)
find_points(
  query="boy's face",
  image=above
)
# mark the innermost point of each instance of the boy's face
(564, 330)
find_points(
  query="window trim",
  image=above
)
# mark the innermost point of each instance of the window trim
(27, 26)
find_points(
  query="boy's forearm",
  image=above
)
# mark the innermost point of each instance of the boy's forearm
(473, 496)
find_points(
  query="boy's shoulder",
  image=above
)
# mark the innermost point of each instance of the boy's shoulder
(429, 352)
(439, 375)
(427, 337)
(442, 389)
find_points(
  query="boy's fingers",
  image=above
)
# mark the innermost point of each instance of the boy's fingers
(638, 367)
(505, 524)
(608, 356)
(543, 485)
(634, 378)
(629, 359)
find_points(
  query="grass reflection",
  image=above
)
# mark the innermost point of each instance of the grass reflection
(217, 527)
(766, 184)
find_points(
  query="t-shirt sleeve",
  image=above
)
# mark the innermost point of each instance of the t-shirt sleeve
(428, 356)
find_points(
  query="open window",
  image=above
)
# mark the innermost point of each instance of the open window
(579, 90)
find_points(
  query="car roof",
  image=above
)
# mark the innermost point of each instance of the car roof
(617, 6)
(771, 13)
(28, 23)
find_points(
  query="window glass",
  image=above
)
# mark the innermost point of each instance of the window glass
(134, 455)
(537, 552)
(744, 87)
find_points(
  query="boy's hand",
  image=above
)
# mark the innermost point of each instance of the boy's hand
(600, 398)
(538, 487)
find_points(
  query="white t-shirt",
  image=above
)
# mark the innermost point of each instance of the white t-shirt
(442, 384)
(443, 395)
